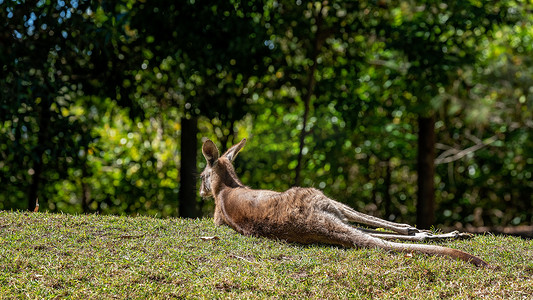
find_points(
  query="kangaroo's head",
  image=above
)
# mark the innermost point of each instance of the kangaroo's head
(219, 171)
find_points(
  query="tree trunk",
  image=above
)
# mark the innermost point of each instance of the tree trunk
(42, 140)
(425, 207)
(387, 199)
(35, 183)
(303, 133)
(187, 189)
(85, 189)
(311, 82)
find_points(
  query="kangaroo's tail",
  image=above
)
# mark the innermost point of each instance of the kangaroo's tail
(367, 241)
(437, 250)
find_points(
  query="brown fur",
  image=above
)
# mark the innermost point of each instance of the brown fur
(302, 215)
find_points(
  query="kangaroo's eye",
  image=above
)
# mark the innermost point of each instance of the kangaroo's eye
(205, 181)
(205, 177)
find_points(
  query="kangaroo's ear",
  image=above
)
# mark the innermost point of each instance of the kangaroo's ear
(234, 150)
(210, 152)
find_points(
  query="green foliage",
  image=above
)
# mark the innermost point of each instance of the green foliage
(92, 94)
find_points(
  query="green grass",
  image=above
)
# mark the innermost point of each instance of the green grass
(45, 256)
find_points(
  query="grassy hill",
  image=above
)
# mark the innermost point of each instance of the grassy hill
(45, 256)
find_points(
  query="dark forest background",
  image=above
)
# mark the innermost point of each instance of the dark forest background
(414, 111)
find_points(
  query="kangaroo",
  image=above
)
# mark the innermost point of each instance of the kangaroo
(304, 215)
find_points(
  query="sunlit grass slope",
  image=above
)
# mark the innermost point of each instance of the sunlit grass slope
(45, 256)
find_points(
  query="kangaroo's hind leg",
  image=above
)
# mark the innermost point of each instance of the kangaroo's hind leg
(418, 236)
(328, 228)
(357, 217)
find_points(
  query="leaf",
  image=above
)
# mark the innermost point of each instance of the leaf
(36, 205)
(209, 238)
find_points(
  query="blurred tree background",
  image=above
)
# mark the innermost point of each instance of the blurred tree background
(413, 111)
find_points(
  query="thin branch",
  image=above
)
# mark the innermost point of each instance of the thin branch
(402, 68)
(462, 153)
(443, 146)
(473, 138)
(449, 152)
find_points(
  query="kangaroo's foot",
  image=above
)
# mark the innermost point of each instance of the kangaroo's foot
(419, 236)
(444, 236)
(407, 229)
